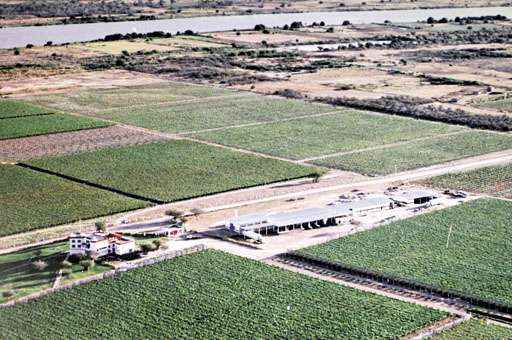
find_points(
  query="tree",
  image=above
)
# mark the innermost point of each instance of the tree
(86, 264)
(147, 247)
(16, 51)
(39, 265)
(157, 243)
(100, 226)
(66, 264)
(316, 176)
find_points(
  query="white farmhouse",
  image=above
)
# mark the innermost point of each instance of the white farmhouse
(100, 244)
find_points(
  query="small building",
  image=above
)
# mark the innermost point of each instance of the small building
(415, 197)
(101, 244)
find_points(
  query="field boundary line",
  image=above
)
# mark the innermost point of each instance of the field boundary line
(91, 184)
(260, 123)
(364, 288)
(437, 327)
(25, 116)
(385, 146)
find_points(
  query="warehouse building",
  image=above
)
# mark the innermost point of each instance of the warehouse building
(254, 225)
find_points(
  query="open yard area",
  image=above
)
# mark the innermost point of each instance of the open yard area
(173, 170)
(463, 248)
(495, 181)
(46, 124)
(31, 200)
(240, 299)
(347, 130)
(416, 154)
(35, 268)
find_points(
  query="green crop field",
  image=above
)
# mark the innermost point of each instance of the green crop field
(476, 329)
(42, 125)
(474, 260)
(500, 104)
(19, 276)
(495, 180)
(17, 108)
(92, 101)
(30, 200)
(173, 170)
(193, 116)
(316, 136)
(418, 154)
(213, 295)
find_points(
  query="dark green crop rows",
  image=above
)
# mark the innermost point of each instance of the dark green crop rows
(474, 260)
(476, 329)
(16, 108)
(173, 170)
(42, 125)
(30, 200)
(495, 180)
(213, 295)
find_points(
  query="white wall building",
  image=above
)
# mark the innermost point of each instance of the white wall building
(100, 244)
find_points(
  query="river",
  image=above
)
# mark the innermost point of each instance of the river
(38, 35)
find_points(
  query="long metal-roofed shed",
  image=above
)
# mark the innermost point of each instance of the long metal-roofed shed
(264, 223)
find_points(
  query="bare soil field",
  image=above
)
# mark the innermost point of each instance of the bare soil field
(358, 82)
(62, 83)
(71, 142)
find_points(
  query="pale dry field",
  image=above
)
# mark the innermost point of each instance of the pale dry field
(81, 80)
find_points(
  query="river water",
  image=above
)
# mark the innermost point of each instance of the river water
(58, 34)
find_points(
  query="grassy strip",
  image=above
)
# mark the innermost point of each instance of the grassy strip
(173, 170)
(474, 260)
(316, 136)
(240, 299)
(17, 108)
(475, 329)
(42, 125)
(195, 116)
(31, 200)
(419, 154)
(494, 180)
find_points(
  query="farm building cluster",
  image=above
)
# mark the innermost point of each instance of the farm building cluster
(255, 225)
(100, 244)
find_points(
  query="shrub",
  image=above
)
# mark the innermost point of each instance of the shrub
(8, 293)
(100, 226)
(16, 51)
(39, 265)
(86, 264)
(66, 264)
(288, 93)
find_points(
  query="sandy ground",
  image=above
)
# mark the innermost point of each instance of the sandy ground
(63, 83)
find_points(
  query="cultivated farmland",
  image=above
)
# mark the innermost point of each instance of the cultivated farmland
(72, 142)
(476, 329)
(475, 259)
(16, 108)
(495, 180)
(500, 104)
(309, 137)
(97, 100)
(41, 125)
(214, 295)
(214, 113)
(174, 170)
(418, 154)
(31, 200)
